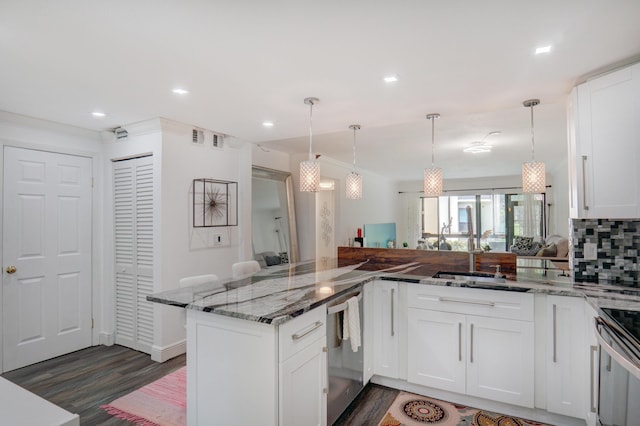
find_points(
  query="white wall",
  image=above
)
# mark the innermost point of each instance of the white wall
(376, 206)
(26, 132)
(190, 251)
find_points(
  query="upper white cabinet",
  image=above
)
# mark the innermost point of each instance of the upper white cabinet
(603, 133)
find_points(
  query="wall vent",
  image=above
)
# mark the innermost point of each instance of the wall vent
(120, 133)
(217, 141)
(197, 137)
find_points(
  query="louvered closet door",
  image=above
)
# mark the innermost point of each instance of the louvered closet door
(133, 218)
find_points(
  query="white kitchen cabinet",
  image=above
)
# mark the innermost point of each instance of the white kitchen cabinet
(280, 371)
(565, 356)
(603, 134)
(592, 348)
(368, 332)
(385, 326)
(437, 351)
(303, 370)
(488, 354)
(303, 387)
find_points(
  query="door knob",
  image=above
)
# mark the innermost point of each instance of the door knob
(11, 269)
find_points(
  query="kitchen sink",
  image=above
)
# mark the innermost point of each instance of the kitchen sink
(470, 276)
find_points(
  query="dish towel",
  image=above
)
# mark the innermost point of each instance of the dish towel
(351, 323)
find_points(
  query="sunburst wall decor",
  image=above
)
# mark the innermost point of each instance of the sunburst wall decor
(215, 203)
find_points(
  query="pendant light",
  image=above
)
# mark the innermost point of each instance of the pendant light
(432, 175)
(310, 169)
(533, 172)
(354, 180)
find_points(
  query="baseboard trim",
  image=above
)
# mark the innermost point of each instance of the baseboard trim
(162, 354)
(106, 339)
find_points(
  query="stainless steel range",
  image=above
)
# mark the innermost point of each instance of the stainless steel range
(618, 333)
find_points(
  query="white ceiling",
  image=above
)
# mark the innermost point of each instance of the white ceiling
(249, 61)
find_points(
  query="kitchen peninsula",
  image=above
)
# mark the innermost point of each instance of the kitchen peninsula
(256, 346)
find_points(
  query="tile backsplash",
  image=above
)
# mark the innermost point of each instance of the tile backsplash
(618, 249)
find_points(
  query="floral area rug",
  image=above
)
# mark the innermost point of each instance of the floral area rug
(414, 410)
(160, 403)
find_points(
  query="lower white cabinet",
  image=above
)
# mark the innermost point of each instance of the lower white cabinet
(303, 387)
(386, 326)
(251, 373)
(566, 356)
(591, 346)
(479, 355)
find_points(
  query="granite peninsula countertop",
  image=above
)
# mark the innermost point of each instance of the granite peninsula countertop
(277, 294)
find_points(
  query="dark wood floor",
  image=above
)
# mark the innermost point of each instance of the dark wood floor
(369, 406)
(82, 381)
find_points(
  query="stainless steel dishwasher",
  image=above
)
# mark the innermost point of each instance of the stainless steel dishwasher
(345, 366)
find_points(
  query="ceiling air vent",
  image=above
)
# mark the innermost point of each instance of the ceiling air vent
(120, 133)
(197, 137)
(217, 141)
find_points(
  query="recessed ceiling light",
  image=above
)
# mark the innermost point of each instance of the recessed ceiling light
(98, 114)
(179, 91)
(267, 123)
(543, 49)
(391, 79)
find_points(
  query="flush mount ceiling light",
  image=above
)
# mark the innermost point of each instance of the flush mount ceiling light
(543, 49)
(533, 172)
(179, 91)
(432, 175)
(481, 146)
(354, 180)
(310, 169)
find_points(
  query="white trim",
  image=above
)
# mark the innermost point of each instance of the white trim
(106, 339)
(162, 354)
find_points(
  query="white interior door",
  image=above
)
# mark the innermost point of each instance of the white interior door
(46, 298)
(133, 215)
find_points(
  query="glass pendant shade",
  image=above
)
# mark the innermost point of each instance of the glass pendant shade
(433, 174)
(533, 177)
(432, 182)
(353, 183)
(310, 169)
(354, 186)
(309, 176)
(533, 172)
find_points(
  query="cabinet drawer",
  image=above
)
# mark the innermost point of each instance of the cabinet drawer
(471, 301)
(302, 331)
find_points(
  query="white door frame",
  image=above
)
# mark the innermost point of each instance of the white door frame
(96, 226)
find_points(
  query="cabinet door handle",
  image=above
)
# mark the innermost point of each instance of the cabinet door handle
(468, 301)
(471, 352)
(300, 334)
(393, 331)
(585, 206)
(555, 333)
(459, 341)
(594, 350)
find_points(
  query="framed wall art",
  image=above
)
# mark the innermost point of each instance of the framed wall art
(215, 203)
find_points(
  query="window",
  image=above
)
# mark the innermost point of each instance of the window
(464, 222)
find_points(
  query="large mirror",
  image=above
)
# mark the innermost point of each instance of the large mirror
(274, 235)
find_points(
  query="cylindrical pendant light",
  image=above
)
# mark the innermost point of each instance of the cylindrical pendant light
(533, 172)
(433, 174)
(310, 169)
(354, 180)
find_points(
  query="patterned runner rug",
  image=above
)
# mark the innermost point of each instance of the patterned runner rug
(160, 403)
(414, 410)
